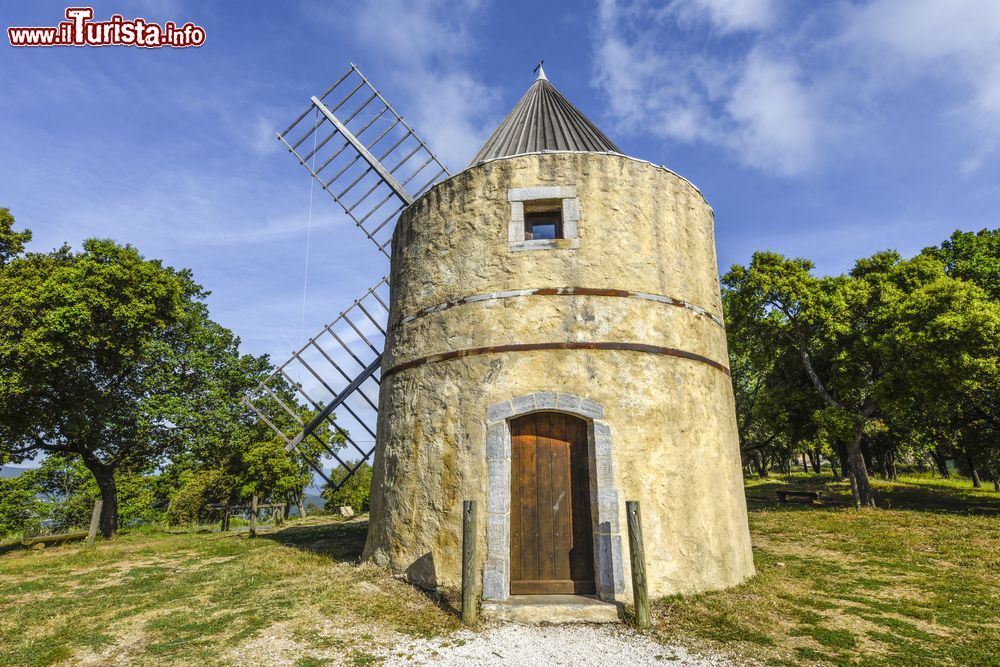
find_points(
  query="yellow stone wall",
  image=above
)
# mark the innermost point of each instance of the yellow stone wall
(675, 448)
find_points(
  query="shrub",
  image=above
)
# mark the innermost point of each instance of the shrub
(198, 489)
(20, 510)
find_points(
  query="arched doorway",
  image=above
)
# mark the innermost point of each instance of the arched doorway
(551, 533)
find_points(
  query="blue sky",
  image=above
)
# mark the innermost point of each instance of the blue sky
(827, 130)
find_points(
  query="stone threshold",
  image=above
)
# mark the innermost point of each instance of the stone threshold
(556, 609)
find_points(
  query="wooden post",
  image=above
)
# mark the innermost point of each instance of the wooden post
(224, 526)
(95, 520)
(253, 515)
(637, 556)
(470, 520)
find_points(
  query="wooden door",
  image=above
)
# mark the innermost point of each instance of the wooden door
(551, 536)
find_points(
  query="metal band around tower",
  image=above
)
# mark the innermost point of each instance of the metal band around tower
(559, 291)
(571, 345)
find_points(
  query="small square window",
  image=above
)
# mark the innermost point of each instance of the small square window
(543, 220)
(543, 217)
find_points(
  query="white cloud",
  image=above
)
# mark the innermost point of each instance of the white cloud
(261, 137)
(774, 116)
(728, 15)
(757, 106)
(954, 44)
(417, 32)
(423, 45)
(930, 29)
(792, 93)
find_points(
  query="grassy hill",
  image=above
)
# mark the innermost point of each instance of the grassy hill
(915, 584)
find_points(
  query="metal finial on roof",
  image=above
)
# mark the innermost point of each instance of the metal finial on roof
(541, 72)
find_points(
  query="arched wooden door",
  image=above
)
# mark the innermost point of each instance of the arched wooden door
(551, 536)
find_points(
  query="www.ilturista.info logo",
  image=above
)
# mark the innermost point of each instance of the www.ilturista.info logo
(81, 30)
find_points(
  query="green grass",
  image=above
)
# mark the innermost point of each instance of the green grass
(208, 598)
(918, 584)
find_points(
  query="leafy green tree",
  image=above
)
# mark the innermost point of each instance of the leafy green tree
(112, 358)
(11, 243)
(21, 512)
(774, 404)
(948, 331)
(838, 327)
(972, 256)
(903, 355)
(196, 490)
(355, 493)
(271, 472)
(70, 491)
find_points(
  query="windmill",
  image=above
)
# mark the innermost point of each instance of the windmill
(373, 164)
(556, 347)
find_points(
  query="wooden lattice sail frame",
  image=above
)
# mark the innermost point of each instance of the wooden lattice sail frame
(373, 164)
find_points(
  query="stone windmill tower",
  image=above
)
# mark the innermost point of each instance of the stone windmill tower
(554, 345)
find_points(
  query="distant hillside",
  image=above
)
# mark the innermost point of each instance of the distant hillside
(12, 471)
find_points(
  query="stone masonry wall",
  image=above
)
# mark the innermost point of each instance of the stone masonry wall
(643, 232)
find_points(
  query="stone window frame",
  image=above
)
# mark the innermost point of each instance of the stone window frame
(570, 217)
(604, 496)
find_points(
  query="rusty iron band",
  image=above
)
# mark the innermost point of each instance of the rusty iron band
(532, 347)
(560, 291)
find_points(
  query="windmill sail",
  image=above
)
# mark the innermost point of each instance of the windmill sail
(374, 165)
(336, 375)
(363, 154)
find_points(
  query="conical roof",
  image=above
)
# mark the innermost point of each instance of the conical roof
(544, 120)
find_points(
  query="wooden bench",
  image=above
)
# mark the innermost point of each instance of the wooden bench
(53, 539)
(809, 496)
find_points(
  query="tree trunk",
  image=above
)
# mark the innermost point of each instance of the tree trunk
(842, 459)
(996, 483)
(860, 485)
(973, 470)
(759, 463)
(866, 455)
(105, 477)
(299, 501)
(805, 464)
(815, 460)
(941, 462)
(891, 464)
(882, 465)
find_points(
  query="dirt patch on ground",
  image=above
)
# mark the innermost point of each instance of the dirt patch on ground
(311, 635)
(577, 645)
(123, 652)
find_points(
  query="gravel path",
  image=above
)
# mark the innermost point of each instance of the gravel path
(548, 645)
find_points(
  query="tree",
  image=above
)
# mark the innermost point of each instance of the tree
(20, 509)
(837, 327)
(774, 402)
(355, 493)
(196, 490)
(948, 331)
(111, 358)
(11, 243)
(974, 257)
(271, 472)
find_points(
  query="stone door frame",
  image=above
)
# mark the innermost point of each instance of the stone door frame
(604, 497)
